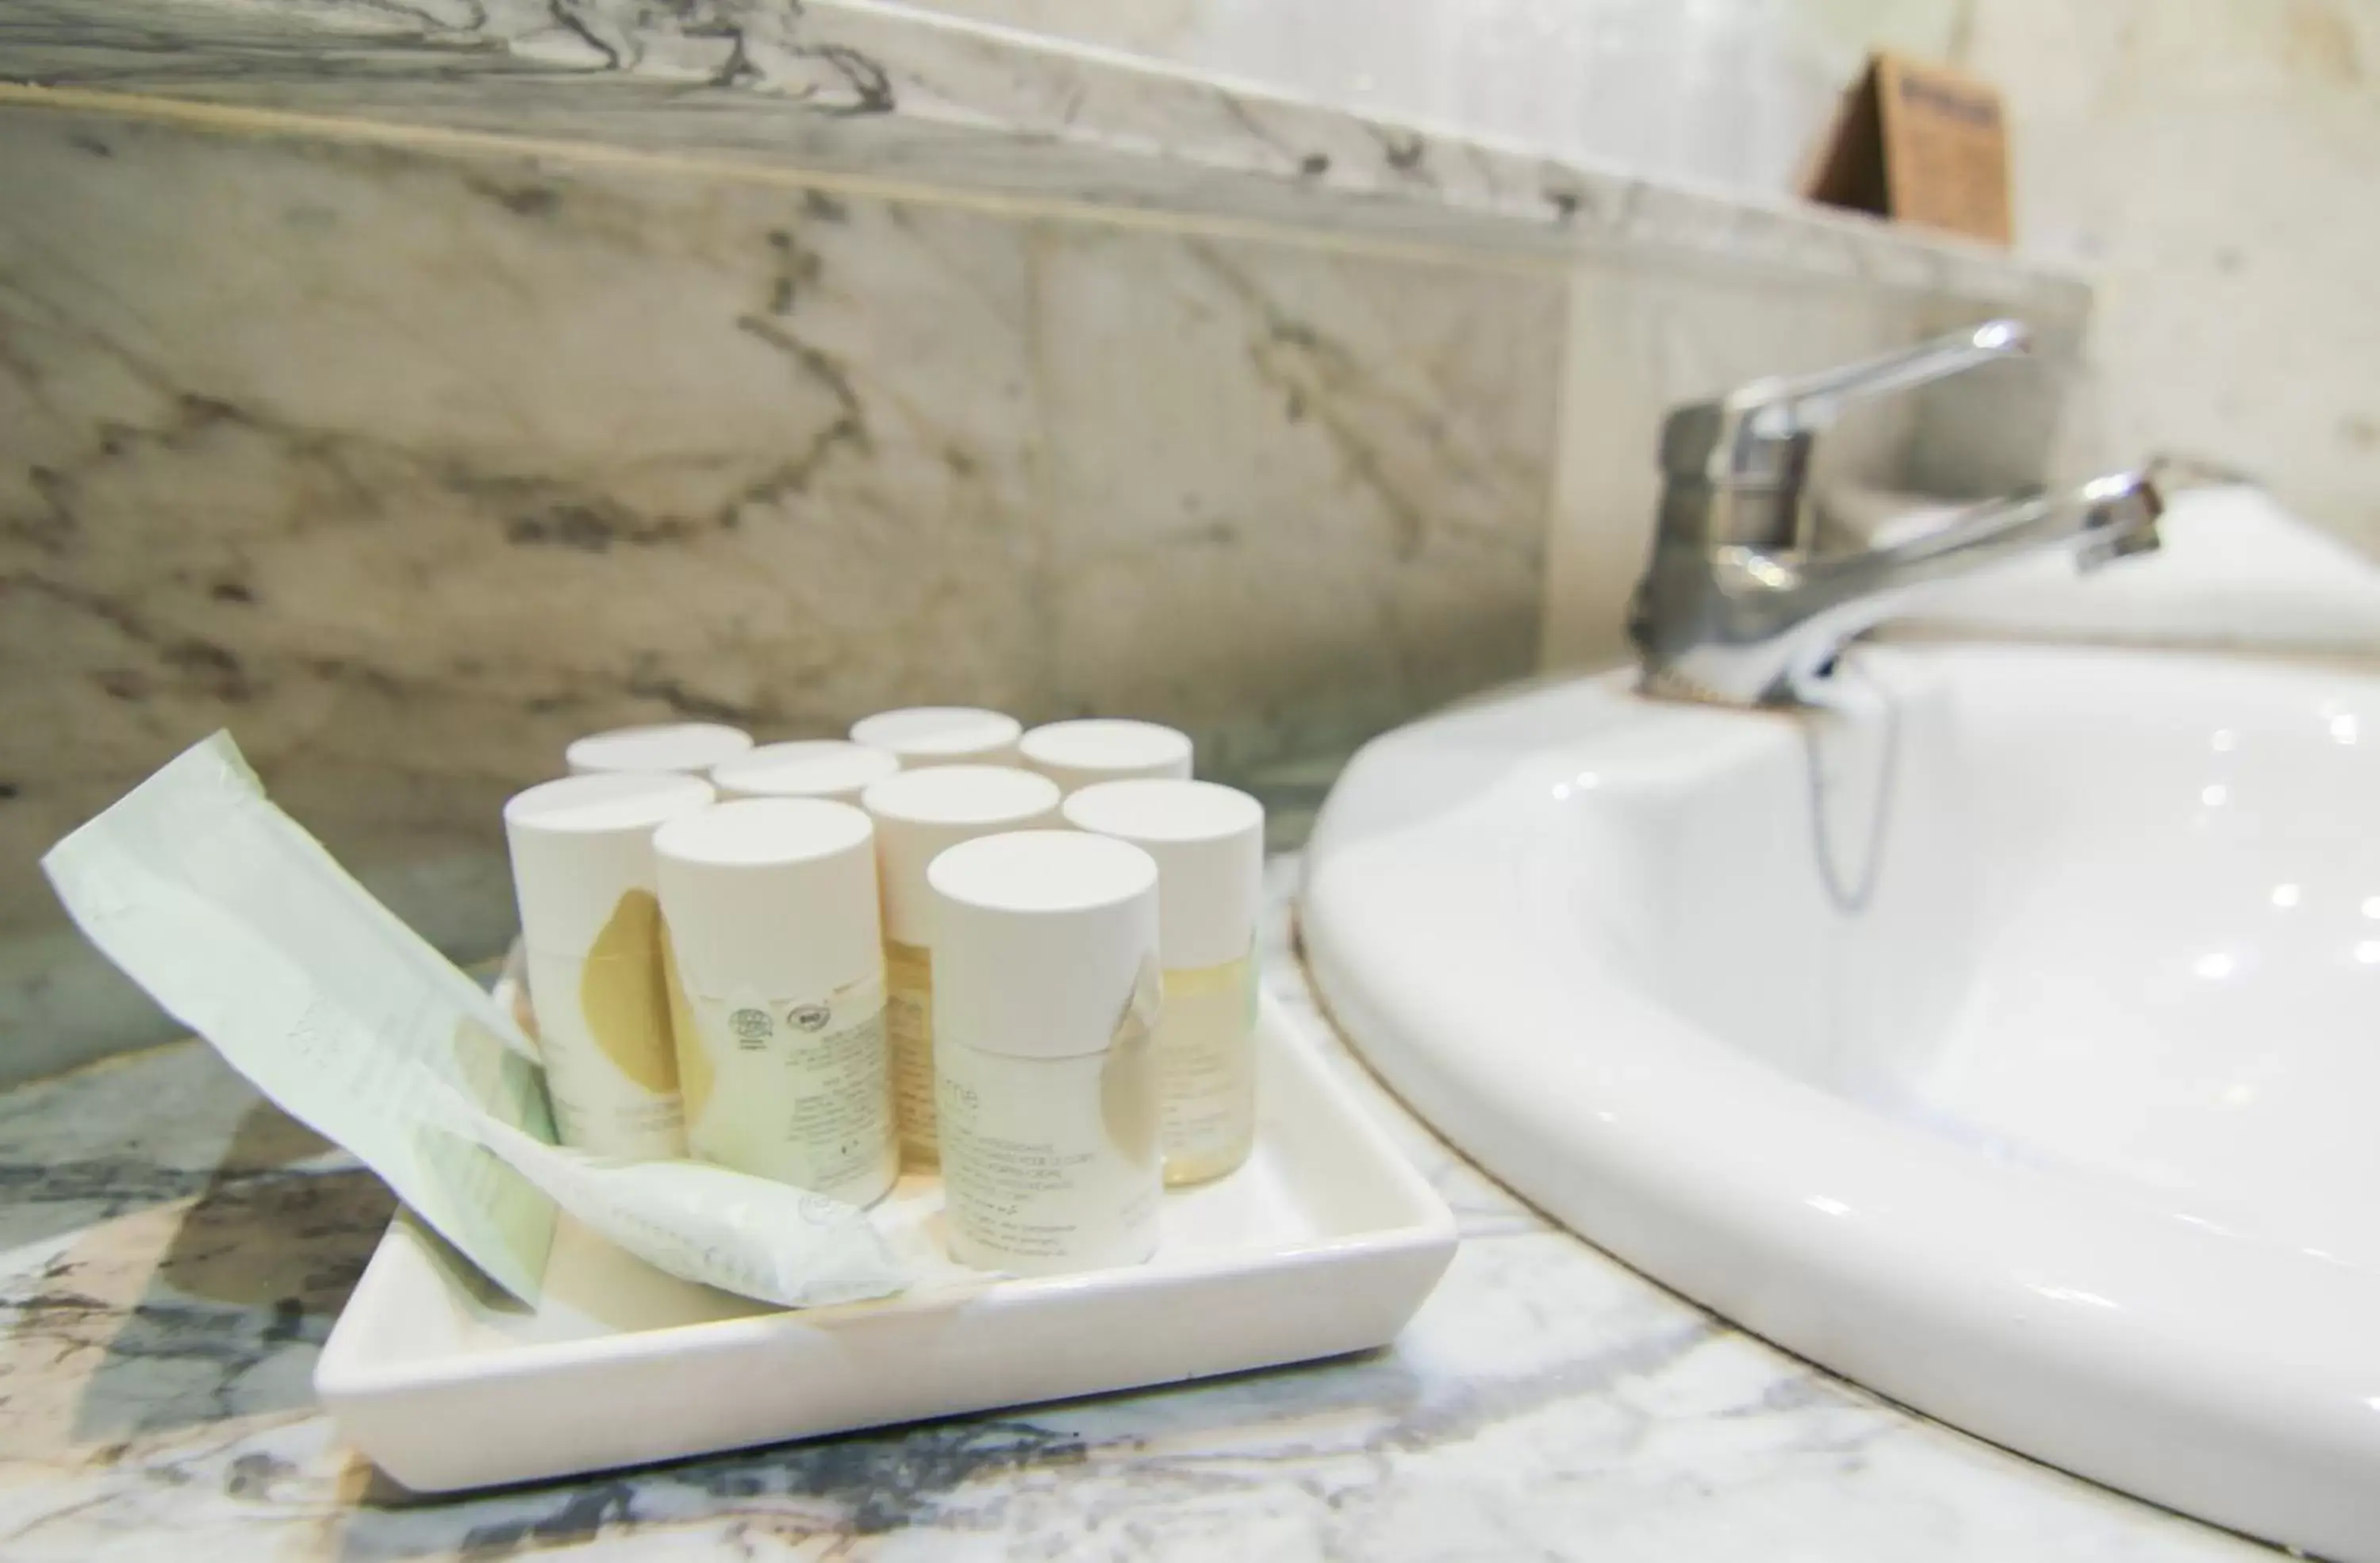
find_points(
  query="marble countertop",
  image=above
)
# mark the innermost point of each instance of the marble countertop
(172, 1252)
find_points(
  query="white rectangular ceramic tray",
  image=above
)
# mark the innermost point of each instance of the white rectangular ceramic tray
(1325, 1241)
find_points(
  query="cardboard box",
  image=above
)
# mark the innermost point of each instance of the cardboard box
(1919, 144)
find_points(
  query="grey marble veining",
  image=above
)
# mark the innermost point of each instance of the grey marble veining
(409, 387)
(172, 1252)
(409, 467)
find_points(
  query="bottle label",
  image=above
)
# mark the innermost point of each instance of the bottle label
(593, 1012)
(1053, 1164)
(798, 1090)
(1206, 1069)
(909, 1022)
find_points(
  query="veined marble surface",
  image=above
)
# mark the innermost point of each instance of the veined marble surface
(411, 385)
(845, 86)
(408, 467)
(173, 1251)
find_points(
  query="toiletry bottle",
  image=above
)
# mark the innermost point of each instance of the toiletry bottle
(778, 997)
(1045, 994)
(918, 814)
(1079, 754)
(1209, 843)
(926, 735)
(690, 746)
(817, 768)
(582, 853)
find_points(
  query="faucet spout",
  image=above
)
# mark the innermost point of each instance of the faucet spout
(2103, 520)
(1738, 605)
(1740, 624)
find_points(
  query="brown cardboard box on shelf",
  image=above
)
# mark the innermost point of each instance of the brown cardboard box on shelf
(1918, 143)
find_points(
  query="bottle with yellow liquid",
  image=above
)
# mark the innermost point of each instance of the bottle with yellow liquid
(919, 814)
(1209, 844)
(582, 858)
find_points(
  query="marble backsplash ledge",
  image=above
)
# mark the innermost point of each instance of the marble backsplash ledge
(856, 88)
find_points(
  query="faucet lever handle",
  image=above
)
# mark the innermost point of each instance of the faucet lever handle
(1757, 436)
(1783, 405)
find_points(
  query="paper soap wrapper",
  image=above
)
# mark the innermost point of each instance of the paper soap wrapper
(243, 928)
(763, 1240)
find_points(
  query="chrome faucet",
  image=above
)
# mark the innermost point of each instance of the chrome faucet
(1738, 605)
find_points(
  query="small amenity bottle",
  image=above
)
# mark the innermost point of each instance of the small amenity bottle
(920, 814)
(926, 735)
(582, 854)
(1209, 843)
(689, 746)
(816, 767)
(1045, 996)
(1079, 754)
(777, 997)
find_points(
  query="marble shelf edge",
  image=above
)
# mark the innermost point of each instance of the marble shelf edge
(844, 90)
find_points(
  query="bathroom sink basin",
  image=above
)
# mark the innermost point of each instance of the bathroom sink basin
(2008, 1040)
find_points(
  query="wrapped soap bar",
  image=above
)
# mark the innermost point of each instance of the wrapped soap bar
(748, 1235)
(240, 925)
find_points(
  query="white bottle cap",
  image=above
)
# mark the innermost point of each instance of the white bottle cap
(941, 736)
(581, 843)
(691, 746)
(819, 768)
(921, 813)
(776, 895)
(1077, 753)
(1041, 941)
(1208, 842)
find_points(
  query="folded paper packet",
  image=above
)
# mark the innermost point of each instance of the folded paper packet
(242, 925)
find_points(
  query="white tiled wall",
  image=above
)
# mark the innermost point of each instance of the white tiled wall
(2215, 165)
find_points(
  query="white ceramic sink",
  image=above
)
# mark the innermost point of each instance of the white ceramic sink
(2030, 1074)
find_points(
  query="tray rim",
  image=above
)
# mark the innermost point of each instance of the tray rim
(344, 1372)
